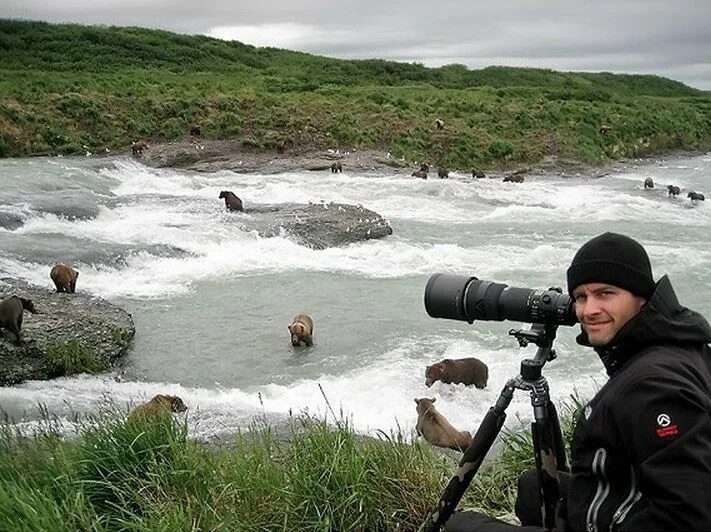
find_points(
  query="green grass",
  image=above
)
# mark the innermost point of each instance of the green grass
(68, 89)
(133, 475)
(67, 358)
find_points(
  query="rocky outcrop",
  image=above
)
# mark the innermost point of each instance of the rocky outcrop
(71, 333)
(205, 155)
(316, 225)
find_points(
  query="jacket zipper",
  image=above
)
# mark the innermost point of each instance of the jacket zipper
(603, 489)
(628, 503)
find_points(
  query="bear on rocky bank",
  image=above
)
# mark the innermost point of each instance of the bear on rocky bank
(465, 371)
(159, 405)
(435, 428)
(302, 330)
(64, 277)
(11, 310)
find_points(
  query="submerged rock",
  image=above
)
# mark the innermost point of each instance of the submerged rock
(316, 225)
(71, 333)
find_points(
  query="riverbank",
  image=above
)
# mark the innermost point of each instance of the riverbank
(215, 155)
(148, 475)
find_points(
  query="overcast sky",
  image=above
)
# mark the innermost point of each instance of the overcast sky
(670, 38)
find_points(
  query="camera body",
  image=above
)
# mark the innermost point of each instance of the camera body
(467, 298)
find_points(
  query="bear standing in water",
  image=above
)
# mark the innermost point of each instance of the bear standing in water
(466, 371)
(232, 202)
(302, 330)
(160, 405)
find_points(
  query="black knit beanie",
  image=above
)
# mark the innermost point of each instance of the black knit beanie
(612, 259)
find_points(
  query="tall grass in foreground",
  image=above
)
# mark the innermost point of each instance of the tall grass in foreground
(139, 476)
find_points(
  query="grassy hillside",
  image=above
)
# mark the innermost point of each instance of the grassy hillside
(69, 88)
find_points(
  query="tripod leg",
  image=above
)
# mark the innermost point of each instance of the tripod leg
(558, 439)
(545, 450)
(470, 462)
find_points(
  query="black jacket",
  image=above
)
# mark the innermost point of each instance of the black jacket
(641, 453)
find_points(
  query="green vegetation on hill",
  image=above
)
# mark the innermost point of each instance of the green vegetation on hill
(69, 88)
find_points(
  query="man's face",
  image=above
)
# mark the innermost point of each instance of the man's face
(603, 309)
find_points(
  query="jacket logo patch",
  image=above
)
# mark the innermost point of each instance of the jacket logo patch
(666, 428)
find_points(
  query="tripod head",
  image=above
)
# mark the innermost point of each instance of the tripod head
(541, 334)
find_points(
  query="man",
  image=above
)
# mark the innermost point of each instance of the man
(641, 452)
(642, 448)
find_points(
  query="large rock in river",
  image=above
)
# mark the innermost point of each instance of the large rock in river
(71, 333)
(317, 225)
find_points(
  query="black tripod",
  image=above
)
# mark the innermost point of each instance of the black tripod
(548, 444)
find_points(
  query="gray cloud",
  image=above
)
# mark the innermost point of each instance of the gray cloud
(665, 37)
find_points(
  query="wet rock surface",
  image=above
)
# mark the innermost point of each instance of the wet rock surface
(316, 225)
(70, 333)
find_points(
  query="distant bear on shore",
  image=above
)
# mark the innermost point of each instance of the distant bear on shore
(64, 278)
(137, 148)
(419, 173)
(337, 167)
(435, 428)
(465, 371)
(11, 311)
(302, 330)
(513, 178)
(160, 405)
(232, 202)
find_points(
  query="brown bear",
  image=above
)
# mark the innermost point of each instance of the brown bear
(673, 190)
(232, 202)
(64, 277)
(442, 172)
(477, 173)
(649, 183)
(302, 330)
(337, 167)
(137, 148)
(11, 310)
(465, 371)
(419, 173)
(160, 405)
(513, 178)
(696, 196)
(435, 428)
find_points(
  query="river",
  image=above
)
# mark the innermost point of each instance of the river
(211, 303)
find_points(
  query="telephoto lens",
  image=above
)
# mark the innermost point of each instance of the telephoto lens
(467, 298)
